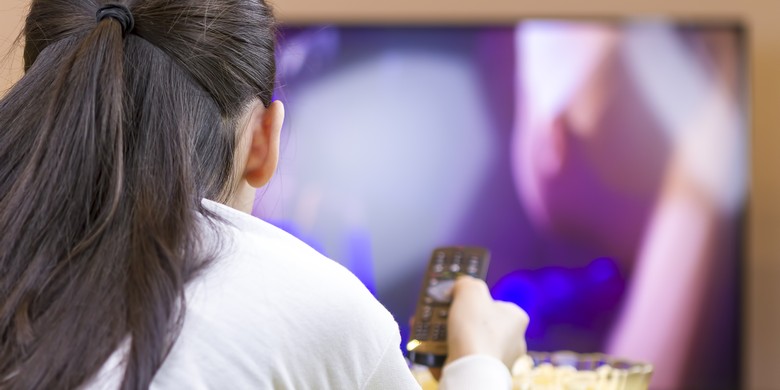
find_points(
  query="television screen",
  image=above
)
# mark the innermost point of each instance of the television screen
(602, 163)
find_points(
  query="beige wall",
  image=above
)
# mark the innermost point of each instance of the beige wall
(12, 14)
(762, 268)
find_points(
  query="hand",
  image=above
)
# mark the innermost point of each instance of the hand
(477, 324)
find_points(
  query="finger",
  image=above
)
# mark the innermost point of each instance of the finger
(515, 311)
(471, 286)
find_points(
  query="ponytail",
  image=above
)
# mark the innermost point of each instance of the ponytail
(108, 144)
(63, 217)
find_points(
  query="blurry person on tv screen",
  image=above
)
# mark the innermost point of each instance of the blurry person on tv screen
(631, 137)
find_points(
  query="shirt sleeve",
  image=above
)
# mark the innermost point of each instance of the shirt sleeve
(467, 373)
(476, 372)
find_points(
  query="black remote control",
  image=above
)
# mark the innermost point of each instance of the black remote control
(428, 337)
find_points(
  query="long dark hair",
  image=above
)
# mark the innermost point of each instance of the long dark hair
(107, 146)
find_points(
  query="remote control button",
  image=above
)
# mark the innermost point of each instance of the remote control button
(440, 256)
(421, 332)
(457, 258)
(455, 268)
(426, 313)
(473, 267)
(441, 292)
(438, 268)
(428, 300)
(440, 332)
(443, 313)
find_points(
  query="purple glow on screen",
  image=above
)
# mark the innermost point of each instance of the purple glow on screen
(602, 164)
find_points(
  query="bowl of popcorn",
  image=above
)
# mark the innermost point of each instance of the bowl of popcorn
(566, 370)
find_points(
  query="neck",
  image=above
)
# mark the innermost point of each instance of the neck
(244, 199)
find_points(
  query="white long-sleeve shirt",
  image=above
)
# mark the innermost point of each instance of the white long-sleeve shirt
(273, 313)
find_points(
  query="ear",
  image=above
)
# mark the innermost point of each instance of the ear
(265, 127)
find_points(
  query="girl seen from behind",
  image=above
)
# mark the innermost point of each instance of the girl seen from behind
(129, 156)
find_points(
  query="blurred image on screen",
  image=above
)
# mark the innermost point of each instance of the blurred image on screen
(603, 164)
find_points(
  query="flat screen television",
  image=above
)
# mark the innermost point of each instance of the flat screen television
(603, 163)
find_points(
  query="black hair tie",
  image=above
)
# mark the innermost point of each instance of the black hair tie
(120, 13)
